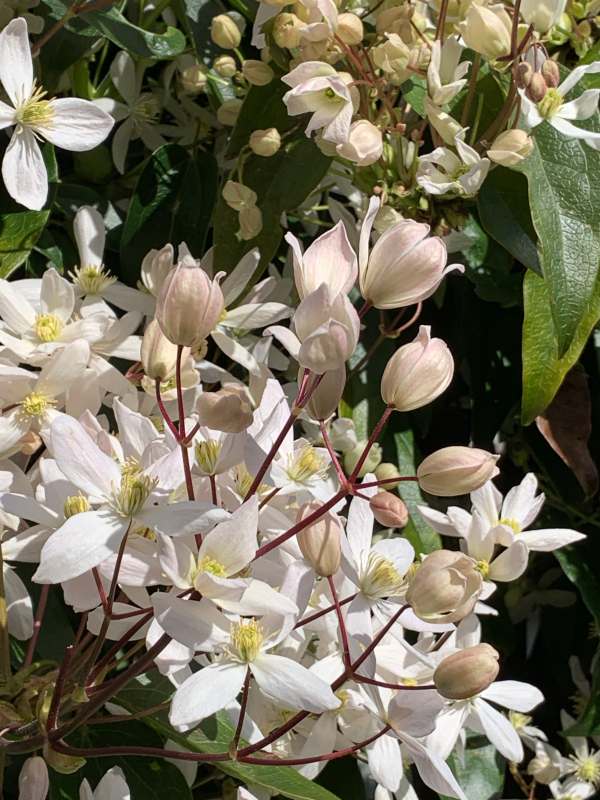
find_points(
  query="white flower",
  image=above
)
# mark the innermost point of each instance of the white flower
(32, 397)
(138, 114)
(558, 112)
(112, 786)
(243, 645)
(318, 89)
(542, 14)
(329, 259)
(123, 494)
(446, 73)
(511, 517)
(91, 280)
(68, 122)
(584, 764)
(444, 172)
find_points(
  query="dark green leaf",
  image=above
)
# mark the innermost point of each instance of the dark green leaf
(172, 202)
(121, 32)
(18, 235)
(480, 773)
(543, 367)
(422, 537)
(504, 213)
(563, 176)
(214, 736)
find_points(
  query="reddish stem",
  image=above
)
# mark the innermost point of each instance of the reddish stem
(376, 433)
(37, 624)
(341, 623)
(164, 412)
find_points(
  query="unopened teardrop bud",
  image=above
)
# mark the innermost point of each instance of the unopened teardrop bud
(467, 673)
(536, 91)
(320, 543)
(326, 397)
(523, 74)
(445, 587)
(225, 66)
(224, 32)
(350, 28)
(228, 409)
(159, 355)
(453, 471)
(386, 471)
(389, 510)
(371, 462)
(551, 73)
(265, 143)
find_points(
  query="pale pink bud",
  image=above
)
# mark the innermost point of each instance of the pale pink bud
(445, 587)
(228, 409)
(257, 73)
(364, 145)
(350, 28)
(330, 259)
(389, 510)
(487, 31)
(33, 779)
(417, 373)
(405, 266)
(325, 399)
(158, 354)
(320, 543)
(189, 305)
(224, 32)
(156, 265)
(456, 470)
(467, 673)
(328, 329)
(265, 143)
(511, 147)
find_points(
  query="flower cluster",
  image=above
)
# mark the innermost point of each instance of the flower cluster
(256, 554)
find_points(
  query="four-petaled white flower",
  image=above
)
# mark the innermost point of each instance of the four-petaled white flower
(445, 172)
(68, 122)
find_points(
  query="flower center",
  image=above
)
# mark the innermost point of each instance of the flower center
(48, 327)
(511, 523)
(246, 638)
(588, 768)
(35, 404)
(75, 504)
(35, 111)
(518, 720)
(550, 103)
(92, 280)
(207, 455)
(381, 578)
(147, 108)
(133, 492)
(484, 568)
(306, 464)
(211, 565)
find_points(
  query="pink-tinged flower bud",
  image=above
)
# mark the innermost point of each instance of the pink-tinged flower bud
(325, 399)
(452, 471)
(33, 779)
(445, 587)
(229, 409)
(158, 354)
(405, 266)
(467, 673)
(387, 471)
(551, 73)
(330, 259)
(350, 28)
(189, 305)
(510, 148)
(523, 74)
(321, 542)
(537, 89)
(328, 329)
(364, 145)
(417, 373)
(389, 510)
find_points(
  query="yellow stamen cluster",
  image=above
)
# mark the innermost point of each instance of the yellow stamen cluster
(92, 280)
(306, 464)
(511, 523)
(207, 455)
(246, 638)
(48, 327)
(484, 568)
(36, 404)
(587, 768)
(133, 492)
(211, 565)
(35, 111)
(147, 108)
(381, 578)
(550, 103)
(75, 504)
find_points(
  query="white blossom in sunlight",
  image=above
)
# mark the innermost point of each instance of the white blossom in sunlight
(68, 122)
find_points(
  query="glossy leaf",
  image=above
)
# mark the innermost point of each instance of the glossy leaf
(480, 773)
(129, 37)
(18, 235)
(544, 369)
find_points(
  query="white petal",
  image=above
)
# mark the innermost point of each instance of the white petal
(76, 124)
(33, 779)
(515, 695)
(63, 369)
(7, 115)
(122, 72)
(81, 460)
(233, 543)
(83, 542)
(582, 107)
(499, 731)
(434, 772)
(13, 426)
(239, 278)
(112, 786)
(291, 685)
(365, 233)
(206, 692)
(57, 295)
(359, 528)
(90, 235)
(385, 762)
(16, 311)
(18, 606)
(27, 508)
(286, 338)
(194, 623)
(572, 131)
(236, 352)
(24, 171)
(449, 725)
(415, 712)
(16, 66)
(510, 564)
(249, 316)
(182, 519)
(550, 539)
